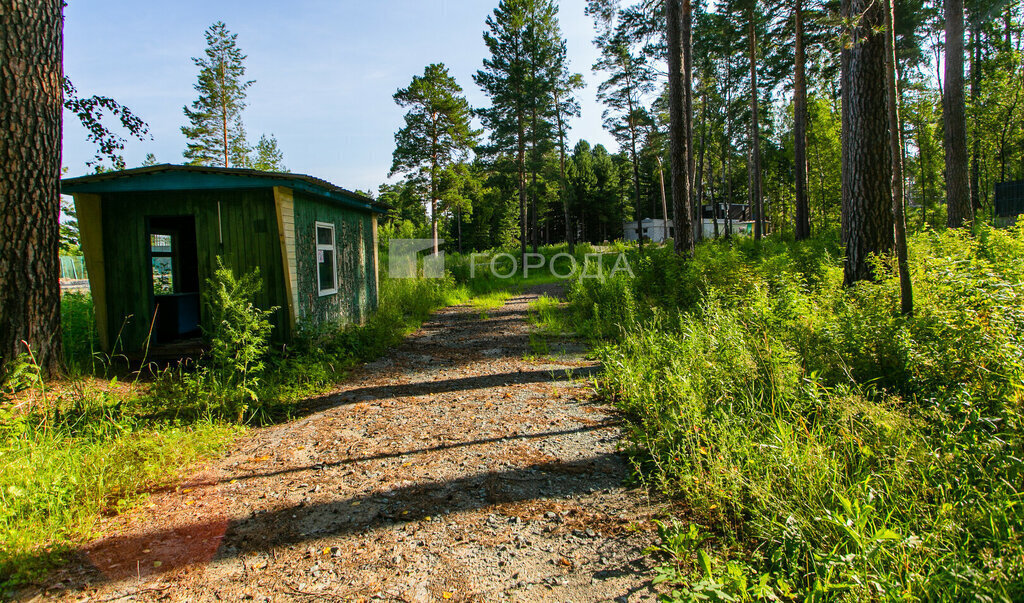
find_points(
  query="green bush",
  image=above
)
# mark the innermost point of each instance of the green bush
(831, 446)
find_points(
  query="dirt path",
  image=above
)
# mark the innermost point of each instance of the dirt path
(457, 468)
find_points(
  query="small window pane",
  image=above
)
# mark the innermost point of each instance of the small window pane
(163, 275)
(324, 236)
(325, 265)
(161, 243)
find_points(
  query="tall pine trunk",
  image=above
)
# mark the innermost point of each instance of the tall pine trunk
(976, 144)
(867, 221)
(561, 172)
(756, 198)
(635, 159)
(521, 167)
(31, 97)
(803, 212)
(699, 222)
(954, 117)
(664, 201)
(896, 155)
(678, 52)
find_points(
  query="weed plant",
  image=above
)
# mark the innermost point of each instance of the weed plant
(825, 446)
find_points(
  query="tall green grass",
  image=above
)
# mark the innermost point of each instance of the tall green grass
(825, 446)
(73, 450)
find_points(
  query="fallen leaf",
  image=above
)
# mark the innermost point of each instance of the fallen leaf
(446, 595)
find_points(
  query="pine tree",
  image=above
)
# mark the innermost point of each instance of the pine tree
(629, 79)
(268, 156)
(31, 73)
(437, 132)
(215, 131)
(545, 50)
(866, 196)
(520, 77)
(958, 194)
(679, 41)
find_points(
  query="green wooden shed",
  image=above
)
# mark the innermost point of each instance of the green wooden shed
(151, 238)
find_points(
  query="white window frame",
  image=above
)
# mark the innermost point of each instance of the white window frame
(333, 248)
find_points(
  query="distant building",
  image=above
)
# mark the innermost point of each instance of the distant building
(1009, 202)
(654, 228)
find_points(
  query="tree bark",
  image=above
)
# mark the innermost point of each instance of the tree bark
(31, 98)
(521, 165)
(756, 200)
(691, 163)
(635, 159)
(958, 194)
(561, 168)
(664, 201)
(803, 212)
(678, 51)
(699, 179)
(867, 222)
(896, 154)
(976, 142)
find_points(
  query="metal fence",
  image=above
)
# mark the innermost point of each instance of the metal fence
(72, 267)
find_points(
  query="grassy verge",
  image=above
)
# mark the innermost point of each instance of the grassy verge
(824, 446)
(76, 450)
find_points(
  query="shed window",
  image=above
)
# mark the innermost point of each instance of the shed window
(162, 250)
(326, 260)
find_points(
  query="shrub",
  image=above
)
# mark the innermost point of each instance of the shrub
(830, 445)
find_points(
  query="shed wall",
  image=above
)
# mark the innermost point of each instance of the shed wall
(248, 222)
(357, 284)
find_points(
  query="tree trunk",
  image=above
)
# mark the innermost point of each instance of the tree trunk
(691, 164)
(699, 205)
(803, 212)
(561, 167)
(31, 97)
(678, 52)
(976, 143)
(896, 154)
(224, 114)
(664, 201)
(714, 203)
(636, 161)
(958, 194)
(521, 165)
(867, 222)
(755, 138)
(534, 234)
(922, 161)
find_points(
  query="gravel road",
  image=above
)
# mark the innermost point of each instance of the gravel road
(460, 467)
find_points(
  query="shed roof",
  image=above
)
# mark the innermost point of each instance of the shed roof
(167, 176)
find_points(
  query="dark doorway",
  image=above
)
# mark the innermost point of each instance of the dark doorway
(174, 276)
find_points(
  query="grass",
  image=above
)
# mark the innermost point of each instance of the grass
(824, 446)
(490, 301)
(75, 450)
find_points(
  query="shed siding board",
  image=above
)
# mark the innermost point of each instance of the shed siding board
(357, 290)
(284, 201)
(251, 239)
(89, 210)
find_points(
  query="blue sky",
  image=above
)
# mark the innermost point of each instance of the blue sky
(325, 72)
